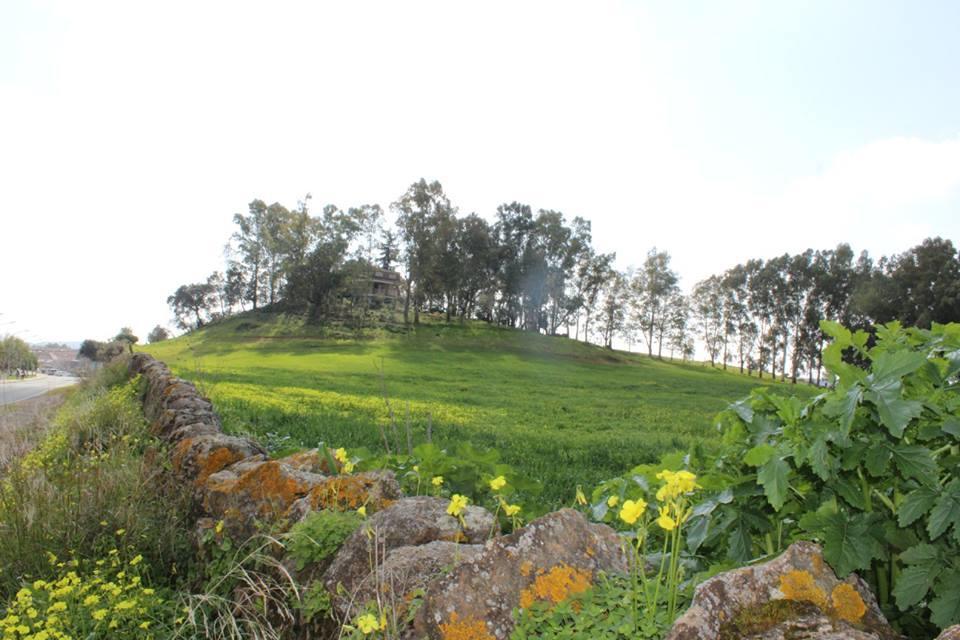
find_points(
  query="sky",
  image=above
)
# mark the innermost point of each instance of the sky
(131, 132)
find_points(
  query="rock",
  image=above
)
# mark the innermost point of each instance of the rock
(840, 609)
(254, 490)
(407, 522)
(950, 633)
(374, 489)
(550, 559)
(404, 573)
(198, 458)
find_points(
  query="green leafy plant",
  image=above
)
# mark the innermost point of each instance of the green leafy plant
(317, 537)
(868, 468)
(603, 612)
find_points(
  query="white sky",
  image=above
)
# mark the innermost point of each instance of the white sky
(131, 132)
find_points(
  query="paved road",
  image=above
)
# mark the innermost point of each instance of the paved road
(17, 390)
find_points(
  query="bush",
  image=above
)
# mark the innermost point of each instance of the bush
(869, 468)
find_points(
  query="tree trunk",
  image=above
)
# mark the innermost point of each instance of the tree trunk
(406, 304)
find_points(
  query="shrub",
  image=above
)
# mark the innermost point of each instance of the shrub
(869, 468)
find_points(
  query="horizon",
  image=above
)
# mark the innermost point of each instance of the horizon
(717, 134)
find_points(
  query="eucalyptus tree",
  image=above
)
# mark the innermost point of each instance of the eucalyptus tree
(248, 242)
(652, 287)
(191, 300)
(417, 211)
(592, 273)
(615, 298)
(707, 306)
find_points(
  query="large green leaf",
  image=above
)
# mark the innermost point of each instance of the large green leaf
(915, 461)
(895, 413)
(759, 455)
(915, 505)
(822, 463)
(877, 459)
(916, 580)
(946, 511)
(895, 365)
(773, 477)
(952, 426)
(945, 608)
(847, 541)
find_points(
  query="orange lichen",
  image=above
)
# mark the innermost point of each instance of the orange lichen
(342, 493)
(303, 460)
(468, 629)
(525, 568)
(207, 463)
(556, 585)
(271, 486)
(847, 603)
(799, 585)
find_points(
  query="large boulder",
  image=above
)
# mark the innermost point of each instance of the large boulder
(404, 573)
(254, 490)
(550, 559)
(197, 458)
(407, 522)
(950, 633)
(748, 603)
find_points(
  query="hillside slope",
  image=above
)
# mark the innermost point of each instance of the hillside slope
(559, 410)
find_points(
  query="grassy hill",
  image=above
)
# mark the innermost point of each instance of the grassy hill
(559, 410)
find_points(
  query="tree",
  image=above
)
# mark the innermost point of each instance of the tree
(593, 272)
(706, 302)
(126, 337)
(653, 286)
(249, 239)
(101, 351)
(418, 211)
(388, 250)
(16, 354)
(191, 299)
(158, 334)
(613, 317)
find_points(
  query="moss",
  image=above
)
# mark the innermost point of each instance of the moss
(763, 617)
(556, 585)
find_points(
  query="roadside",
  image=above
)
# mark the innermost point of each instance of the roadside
(23, 424)
(12, 391)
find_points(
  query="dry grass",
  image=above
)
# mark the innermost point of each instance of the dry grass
(24, 424)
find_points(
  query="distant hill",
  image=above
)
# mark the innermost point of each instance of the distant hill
(563, 411)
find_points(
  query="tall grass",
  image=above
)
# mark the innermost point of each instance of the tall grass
(96, 482)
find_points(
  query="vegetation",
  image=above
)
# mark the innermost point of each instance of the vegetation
(869, 468)
(317, 537)
(559, 411)
(538, 271)
(16, 354)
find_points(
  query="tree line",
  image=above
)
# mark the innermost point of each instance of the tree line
(537, 270)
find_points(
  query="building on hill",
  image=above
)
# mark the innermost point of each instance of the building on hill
(385, 287)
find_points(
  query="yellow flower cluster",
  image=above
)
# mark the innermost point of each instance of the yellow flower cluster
(346, 465)
(631, 510)
(498, 483)
(102, 599)
(676, 484)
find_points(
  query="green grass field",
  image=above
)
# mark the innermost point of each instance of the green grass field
(560, 411)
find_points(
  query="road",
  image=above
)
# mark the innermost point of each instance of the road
(17, 390)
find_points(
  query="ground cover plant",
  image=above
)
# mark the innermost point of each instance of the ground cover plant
(557, 410)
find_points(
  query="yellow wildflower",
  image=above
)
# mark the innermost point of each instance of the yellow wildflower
(145, 625)
(368, 623)
(137, 559)
(437, 481)
(362, 510)
(511, 510)
(348, 467)
(613, 501)
(457, 504)
(99, 614)
(91, 600)
(498, 483)
(340, 455)
(120, 532)
(631, 510)
(219, 528)
(665, 521)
